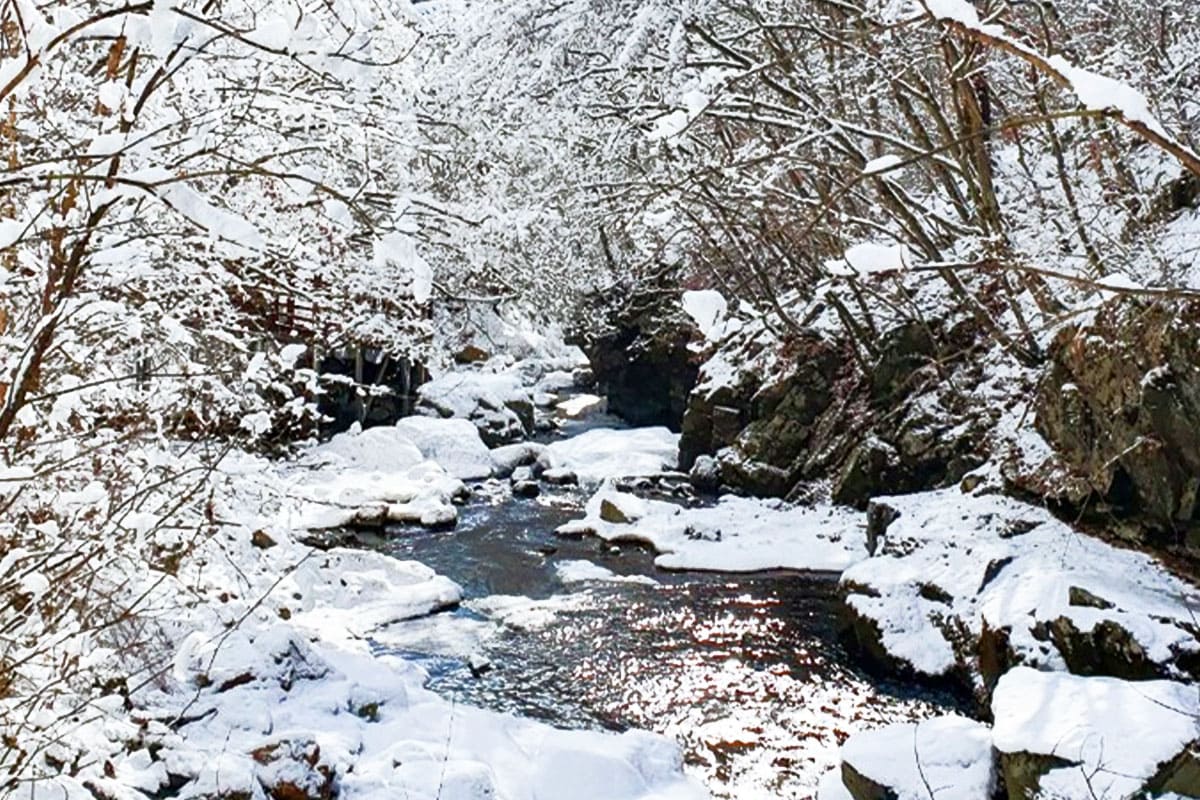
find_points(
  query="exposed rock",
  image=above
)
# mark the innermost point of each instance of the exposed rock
(705, 475)
(611, 512)
(642, 363)
(471, 354)
(897, 428)
(1107, 649)
(526, 488)
(1180, 775)
(560, 476)
(1120, 404)
(262, 540)
(1023, 772)
(879, 516)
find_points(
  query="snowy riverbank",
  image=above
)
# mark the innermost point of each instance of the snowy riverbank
(280, 687)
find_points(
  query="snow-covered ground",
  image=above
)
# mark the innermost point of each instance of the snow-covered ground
(277, 687)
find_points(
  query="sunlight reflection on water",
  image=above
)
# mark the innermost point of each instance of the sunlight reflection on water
(747, 675)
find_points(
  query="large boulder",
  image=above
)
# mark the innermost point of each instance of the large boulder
(905, 760)
(964, 587)
(786, 414)
(1060, 735)
(642, 362)
(1120, 405)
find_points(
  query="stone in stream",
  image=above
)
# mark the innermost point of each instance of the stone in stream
(705, 475)
(526, 488)
(507, 459)
(560, 476)
(905, 760)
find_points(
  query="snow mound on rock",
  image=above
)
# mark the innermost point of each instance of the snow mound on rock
(1112, 735)
(996, 562)
(490, 400)
(367, 478)
(602, 453)
(452, 443)
(737, 535)
(951, 753)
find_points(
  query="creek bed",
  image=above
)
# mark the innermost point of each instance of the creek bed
(746, 671)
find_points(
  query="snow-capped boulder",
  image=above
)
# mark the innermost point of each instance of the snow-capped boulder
(964, 584)
(737, 535)
(368, 478)
(511, 457)
(906, 760)
(1070, 736)
(614, 453)
(498, 404)
(452, 443)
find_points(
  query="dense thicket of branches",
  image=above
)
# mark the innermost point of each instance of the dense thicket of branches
(729, 141)
(170, 171)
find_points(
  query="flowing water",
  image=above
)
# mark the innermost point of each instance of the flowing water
(745, 671)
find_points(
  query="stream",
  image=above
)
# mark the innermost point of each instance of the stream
(745, 671)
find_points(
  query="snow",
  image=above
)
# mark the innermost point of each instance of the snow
(601, 453)
(707, 309)
(1119, 732)
(991, 560)
(400, 249)
(737, 535)
(867, 257)
(365, 478)
(832, 788)
(951, 753)
(452, 443)
(580, 405)
(882, 164)
(579, 571)
(385, 736)
(483, 396)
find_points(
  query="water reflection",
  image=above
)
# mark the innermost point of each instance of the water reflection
(747, 674)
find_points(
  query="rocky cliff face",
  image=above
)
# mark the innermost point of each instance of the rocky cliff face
(1120, 405)
(816, 412)
(642, 362)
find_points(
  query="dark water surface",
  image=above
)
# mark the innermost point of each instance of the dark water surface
(745, 671)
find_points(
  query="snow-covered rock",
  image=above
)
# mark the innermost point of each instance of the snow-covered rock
(510, 457)
(906, 761)
(365, 478)
(498, 404)
(1071, 736)
(959, 576)
(356, 592)
(613, 453)
(369, 726)
(452, 443)
(581, 405)
(737, 535)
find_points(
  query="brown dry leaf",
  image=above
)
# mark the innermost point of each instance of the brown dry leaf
(114, 57)
(70, 196)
